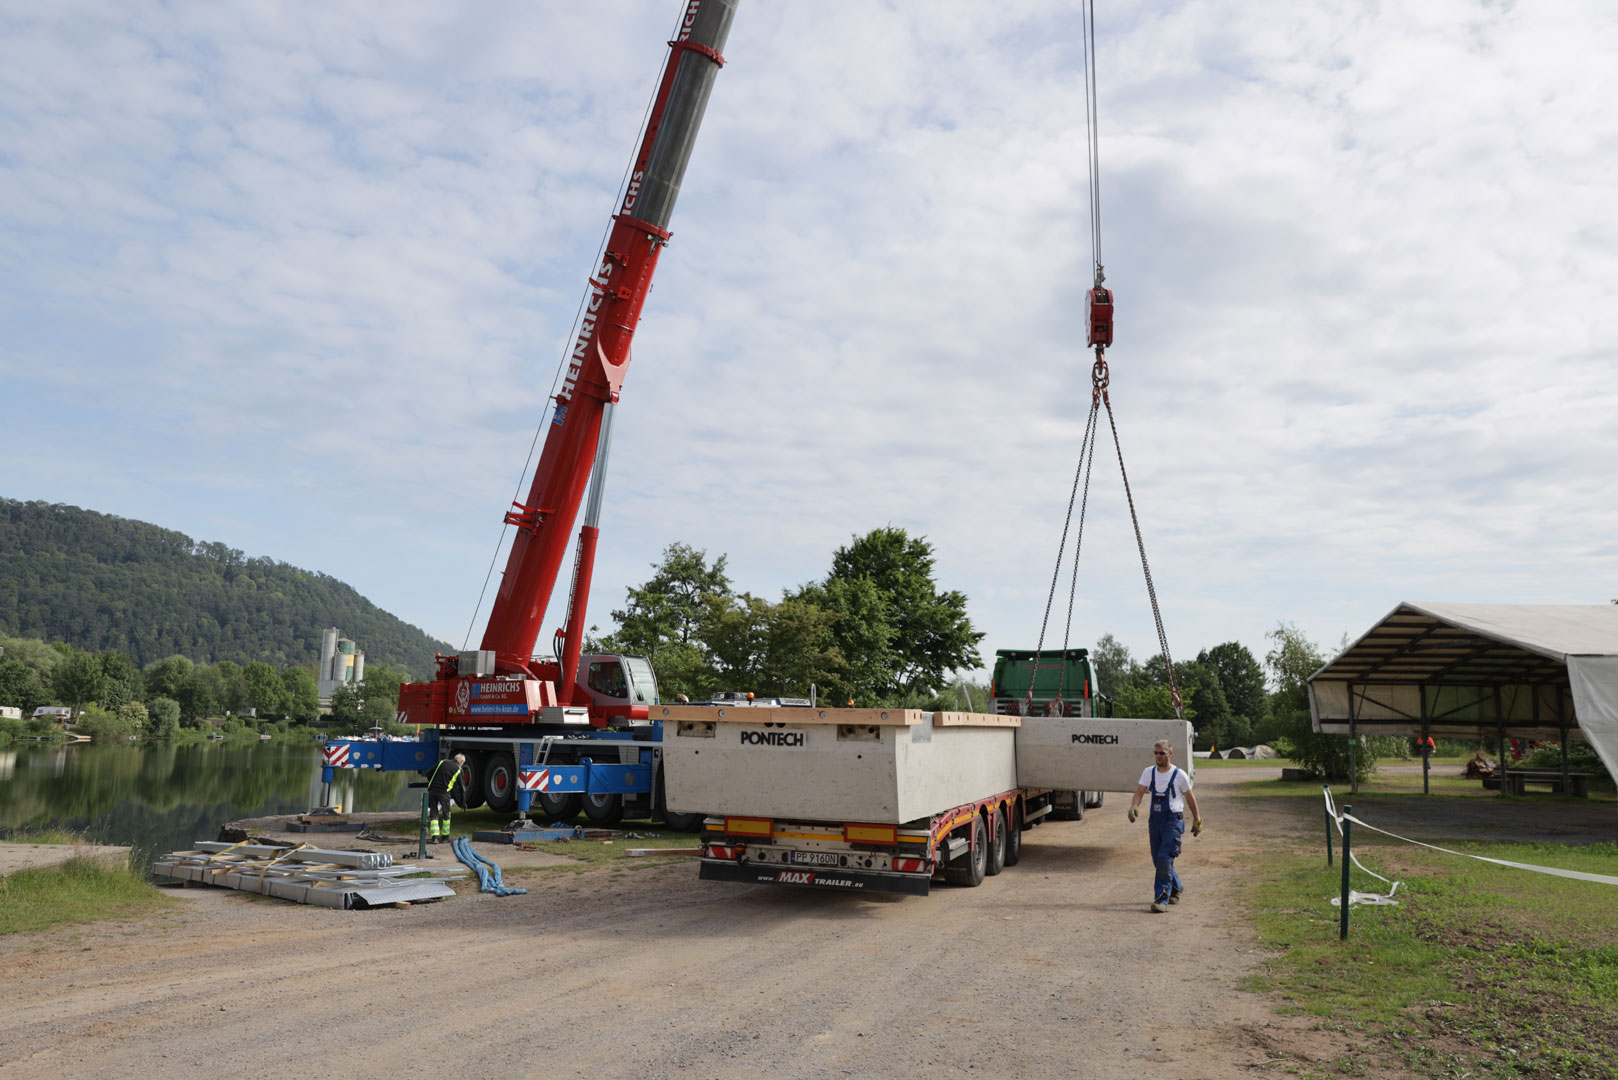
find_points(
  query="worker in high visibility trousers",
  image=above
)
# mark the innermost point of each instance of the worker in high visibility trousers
(1170, 789)
(440, 786)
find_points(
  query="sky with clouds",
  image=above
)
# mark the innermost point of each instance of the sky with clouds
(298, 278)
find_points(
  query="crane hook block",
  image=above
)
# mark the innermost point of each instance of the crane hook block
(1100, 317)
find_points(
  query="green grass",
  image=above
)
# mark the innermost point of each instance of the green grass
(1381, 784)
(1481, 971)
(78, 891)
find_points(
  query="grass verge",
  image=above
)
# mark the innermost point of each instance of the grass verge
(1481, 971)
(77, 891)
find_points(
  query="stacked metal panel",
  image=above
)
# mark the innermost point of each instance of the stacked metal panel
(329, 878)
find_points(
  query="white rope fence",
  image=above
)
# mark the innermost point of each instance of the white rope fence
(1338, 817)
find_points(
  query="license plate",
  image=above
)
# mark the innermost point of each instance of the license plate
(815, 858)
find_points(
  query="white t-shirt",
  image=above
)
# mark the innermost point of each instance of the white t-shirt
(1176, 781)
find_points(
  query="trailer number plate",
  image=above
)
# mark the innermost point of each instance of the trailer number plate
(815, 858)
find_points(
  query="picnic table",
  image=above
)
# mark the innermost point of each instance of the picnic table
(1578, 783)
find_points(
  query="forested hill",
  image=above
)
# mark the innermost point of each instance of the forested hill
(102, 582)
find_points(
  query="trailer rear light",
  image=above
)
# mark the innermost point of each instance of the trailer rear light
(871, 834)
(909, 866)
(724, 851)
(743, 826)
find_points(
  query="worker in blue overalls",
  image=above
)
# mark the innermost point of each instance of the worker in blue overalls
(1170, 791)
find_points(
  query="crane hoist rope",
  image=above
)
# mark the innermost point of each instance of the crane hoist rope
(1099, 302)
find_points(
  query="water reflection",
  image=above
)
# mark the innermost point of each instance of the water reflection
(160, 797)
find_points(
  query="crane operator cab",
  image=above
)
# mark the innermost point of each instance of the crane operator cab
(618, 680)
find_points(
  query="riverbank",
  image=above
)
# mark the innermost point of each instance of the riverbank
(47, 885)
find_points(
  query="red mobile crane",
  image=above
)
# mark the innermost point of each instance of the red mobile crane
(534, 725)
(502, 682)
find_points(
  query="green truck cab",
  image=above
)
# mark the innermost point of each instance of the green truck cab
(1056, 675)
(1064, 684)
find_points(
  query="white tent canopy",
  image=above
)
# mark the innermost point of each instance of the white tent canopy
(1487, 670)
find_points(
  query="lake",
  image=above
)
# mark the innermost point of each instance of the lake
(159, 798)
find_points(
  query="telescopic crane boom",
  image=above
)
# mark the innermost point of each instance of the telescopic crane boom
(576, 443)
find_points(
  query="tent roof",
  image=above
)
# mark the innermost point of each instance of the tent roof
(1444, 644)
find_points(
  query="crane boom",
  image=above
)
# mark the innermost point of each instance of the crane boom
(596, 364)
(600, 356)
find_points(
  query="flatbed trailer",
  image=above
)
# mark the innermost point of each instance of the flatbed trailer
(871, 800)
(964, 845)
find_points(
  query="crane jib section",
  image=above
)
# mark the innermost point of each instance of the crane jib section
(617, 289)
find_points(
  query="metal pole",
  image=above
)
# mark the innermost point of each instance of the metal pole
(1326, 809)
(1353, 773)
(1426, 760)
(421, 846)
(1342, 918)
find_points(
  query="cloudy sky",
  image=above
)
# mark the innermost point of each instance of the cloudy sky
(298, 278)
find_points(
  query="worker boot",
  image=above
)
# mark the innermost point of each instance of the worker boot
(1159, 906)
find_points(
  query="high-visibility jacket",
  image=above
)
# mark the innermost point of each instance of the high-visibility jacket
(444, 775)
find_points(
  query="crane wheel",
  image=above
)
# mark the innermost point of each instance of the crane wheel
(604, 811)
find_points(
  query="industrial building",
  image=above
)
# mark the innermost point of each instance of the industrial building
(341, 663)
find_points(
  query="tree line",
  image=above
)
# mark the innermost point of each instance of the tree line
(876, 630)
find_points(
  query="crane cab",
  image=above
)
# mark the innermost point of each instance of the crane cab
(617, 687)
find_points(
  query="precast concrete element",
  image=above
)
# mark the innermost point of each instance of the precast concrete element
(881, 766)
(1081, 753)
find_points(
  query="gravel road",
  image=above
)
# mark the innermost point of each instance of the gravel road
(1053, 969)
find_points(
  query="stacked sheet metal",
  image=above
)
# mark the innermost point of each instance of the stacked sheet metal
(306, 875)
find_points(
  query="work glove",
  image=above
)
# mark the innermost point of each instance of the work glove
(1134, 812)
(1196, 827)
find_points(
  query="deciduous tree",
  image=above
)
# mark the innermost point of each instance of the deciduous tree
(931, 635)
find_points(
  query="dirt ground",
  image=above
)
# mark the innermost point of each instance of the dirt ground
(1053, 969)
(20, 856)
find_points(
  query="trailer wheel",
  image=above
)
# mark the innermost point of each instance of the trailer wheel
(1014, 836)
(1093, 799)
(968, 869)
(500, 782)
(559, 806)
(472, 777)
(604, 810)
(995, 858)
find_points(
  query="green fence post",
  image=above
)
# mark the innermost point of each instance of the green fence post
(1325, 808)
(421, 848)
(1342, 919)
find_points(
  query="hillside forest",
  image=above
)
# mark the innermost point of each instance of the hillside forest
(99, 583)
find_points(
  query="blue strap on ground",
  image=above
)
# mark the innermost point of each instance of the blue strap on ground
(488, 873)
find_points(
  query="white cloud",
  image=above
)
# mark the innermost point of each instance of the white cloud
(301, 276)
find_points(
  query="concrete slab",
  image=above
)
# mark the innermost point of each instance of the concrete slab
(24, 856)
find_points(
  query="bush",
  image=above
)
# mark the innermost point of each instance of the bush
(11, 729)
(101, 724)
(163, 718)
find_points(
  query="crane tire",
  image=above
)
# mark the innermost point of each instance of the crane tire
(558, 806)
(604, 810)
(500, 782)
(471, 796)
